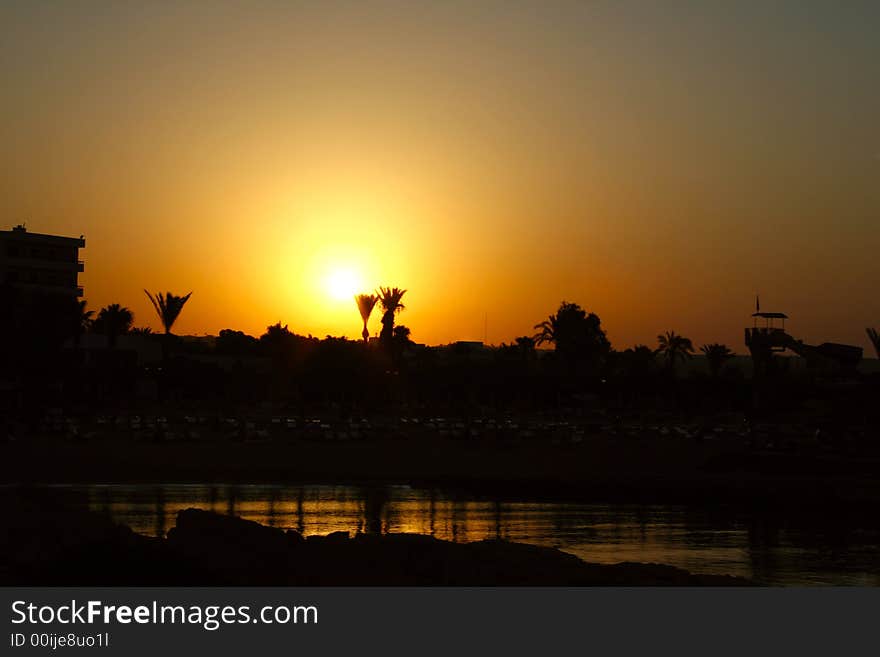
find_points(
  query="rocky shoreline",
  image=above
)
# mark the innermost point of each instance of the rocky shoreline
(51, 542)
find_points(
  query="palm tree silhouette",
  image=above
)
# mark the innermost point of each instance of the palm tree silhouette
(674, 347)
(716, 355)
(365, 304)
(575, 334)
(390, 298)
(113, 320)
(82, 320)
(548, 331)
(168, 307)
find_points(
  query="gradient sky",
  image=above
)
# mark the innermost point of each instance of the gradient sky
(657, 163)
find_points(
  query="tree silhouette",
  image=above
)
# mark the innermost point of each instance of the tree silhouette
(168, 307)
(401, 334)
(365, 304)
(674, 347)
(275, 333)
(522, 347)
(234, 343)
(716, 355)
(82, 320)
(637, 362)
(875, 339)
(390, 298)
(113, 320)
(280, 344)
(526, 345)
(277, 339)
(575, 335)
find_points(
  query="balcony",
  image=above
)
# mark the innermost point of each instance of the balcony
(59, 264)
(42, 287)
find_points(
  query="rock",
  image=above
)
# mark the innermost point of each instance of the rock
(232, 549)
(204, 530)
(294, 537)
(54, 541)
(50, 543)
(332, 537)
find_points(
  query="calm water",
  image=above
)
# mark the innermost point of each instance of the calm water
(699, 541)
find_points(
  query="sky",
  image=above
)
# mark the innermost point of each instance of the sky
(657, 163)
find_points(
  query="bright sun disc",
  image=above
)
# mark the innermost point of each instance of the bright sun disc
(342, 284)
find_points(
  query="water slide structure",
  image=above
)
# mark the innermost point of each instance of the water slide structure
(828, 358)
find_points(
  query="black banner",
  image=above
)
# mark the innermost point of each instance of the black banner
(391, 621)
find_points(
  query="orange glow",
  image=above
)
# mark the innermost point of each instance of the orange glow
(491, 162)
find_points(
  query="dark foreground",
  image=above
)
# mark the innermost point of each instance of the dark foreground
(52, 542)
(602, 468)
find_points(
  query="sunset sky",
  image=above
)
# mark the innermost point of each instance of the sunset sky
(657, 162)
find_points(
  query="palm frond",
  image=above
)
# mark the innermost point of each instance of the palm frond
(365, 304)
(390, 298)
(168, 307)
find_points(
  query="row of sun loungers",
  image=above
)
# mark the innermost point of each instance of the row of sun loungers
(261, 429)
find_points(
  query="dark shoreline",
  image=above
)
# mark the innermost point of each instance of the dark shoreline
(824, 495)
(603, 470)
(53, 541)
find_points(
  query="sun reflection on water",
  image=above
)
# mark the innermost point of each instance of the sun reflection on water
(595, 532)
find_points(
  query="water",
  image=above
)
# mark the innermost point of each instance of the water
(701, 541)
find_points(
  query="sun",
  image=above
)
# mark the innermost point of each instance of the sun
(342, 284)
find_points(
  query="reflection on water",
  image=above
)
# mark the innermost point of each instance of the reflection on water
(695, 540)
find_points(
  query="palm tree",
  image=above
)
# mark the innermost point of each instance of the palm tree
(548, 331)
(875, 339)
(674, 347)
(82, 320)
(168, 307)
(716, 355)
(390, 298)
(365, 304)
(577, 335)
(113, 320)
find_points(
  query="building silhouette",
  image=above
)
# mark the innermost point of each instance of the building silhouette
(40, 264)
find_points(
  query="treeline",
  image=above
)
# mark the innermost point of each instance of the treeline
(578, 370)
(567, 365)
